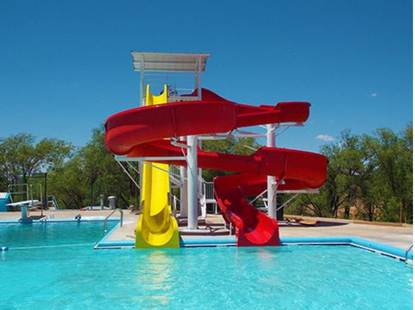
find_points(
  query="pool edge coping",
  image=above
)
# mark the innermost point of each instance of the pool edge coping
(231, 241)
(53, 220)
(210, 242)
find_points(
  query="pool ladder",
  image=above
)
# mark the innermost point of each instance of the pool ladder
(407, 252)
(109, 215)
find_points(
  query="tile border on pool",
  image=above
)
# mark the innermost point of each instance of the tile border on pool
(205, 242)
(108, 234)
(231, 241)
(53, 220)
(352, 241)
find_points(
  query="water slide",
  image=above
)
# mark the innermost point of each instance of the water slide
(156, 227)
(140, 132)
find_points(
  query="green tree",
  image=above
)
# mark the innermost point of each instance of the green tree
(68, 185)
(391, 187)
(370, 172)
(21, 156)
(91, 172)
(242, 146)
(344, 171)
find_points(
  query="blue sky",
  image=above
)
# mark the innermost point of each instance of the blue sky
(65, 66)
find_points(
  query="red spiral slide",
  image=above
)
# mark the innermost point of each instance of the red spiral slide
(140, 132)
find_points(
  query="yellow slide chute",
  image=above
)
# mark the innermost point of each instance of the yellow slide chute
(156, 227)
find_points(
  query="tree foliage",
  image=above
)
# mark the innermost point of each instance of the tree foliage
(93, 172)
(370, 173)
(368, 176)
(243, 146)
(21, 156)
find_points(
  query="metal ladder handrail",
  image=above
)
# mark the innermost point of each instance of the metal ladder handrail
(174, 206)
(106, 219)
(407, 252)
(51, 199)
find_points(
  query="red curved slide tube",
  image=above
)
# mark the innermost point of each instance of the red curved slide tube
(139, 132)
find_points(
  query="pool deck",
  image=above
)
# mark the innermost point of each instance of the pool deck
(392, 234)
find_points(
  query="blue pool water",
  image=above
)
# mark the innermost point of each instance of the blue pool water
(52, 233)
(290, 277)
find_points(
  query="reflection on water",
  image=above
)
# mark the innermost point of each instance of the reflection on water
(264, 255)
(204, 278)
(160, 270)
(154, 274)
(268, 262)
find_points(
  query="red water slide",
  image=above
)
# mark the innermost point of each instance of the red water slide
(139, 132)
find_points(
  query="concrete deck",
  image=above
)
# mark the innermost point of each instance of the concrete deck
(400, 236)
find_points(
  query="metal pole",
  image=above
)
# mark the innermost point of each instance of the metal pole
(184, 206)
(101, 201)
(46, 194)
(199, 97)
(271, 181)
(192, 182)
(183, 192)
(201, 207)
(199, 78)
(192, 171)
(142, 83)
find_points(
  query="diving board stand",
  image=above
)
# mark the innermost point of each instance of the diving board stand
(24, 205)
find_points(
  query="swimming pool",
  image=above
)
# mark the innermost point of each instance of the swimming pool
(51, 233)
(289, 277)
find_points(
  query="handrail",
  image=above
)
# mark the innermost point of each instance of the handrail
(407, 252)
(51, 199)
(174, 207)
(208, 190)
(257, 197)
(16, 190)
(106, 219)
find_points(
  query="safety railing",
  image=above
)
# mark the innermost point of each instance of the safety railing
(174, 174)
(175, 170)
(109, 215)
(20, 189)
(52, 201)
(174, 206)
(208, 191)
(209, 196)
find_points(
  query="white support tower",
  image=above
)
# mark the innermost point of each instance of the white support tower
(271, 181)
(165, 65)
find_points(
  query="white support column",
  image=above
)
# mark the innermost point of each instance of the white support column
(192, 170)
(192, 182)
(202, 200)
(199, 78)
(271, 181)
(142, 83)
(142, 104)
(183, 193)
(184, 206)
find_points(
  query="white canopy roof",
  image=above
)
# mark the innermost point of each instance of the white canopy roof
(168, 62)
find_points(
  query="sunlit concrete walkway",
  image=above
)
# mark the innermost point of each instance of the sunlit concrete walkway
(400, 236)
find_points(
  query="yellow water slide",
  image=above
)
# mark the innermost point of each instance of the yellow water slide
(156, 228)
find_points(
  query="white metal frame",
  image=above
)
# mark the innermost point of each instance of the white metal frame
(166, 64)
(29, 202)
(272, 185)
(191, 189)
